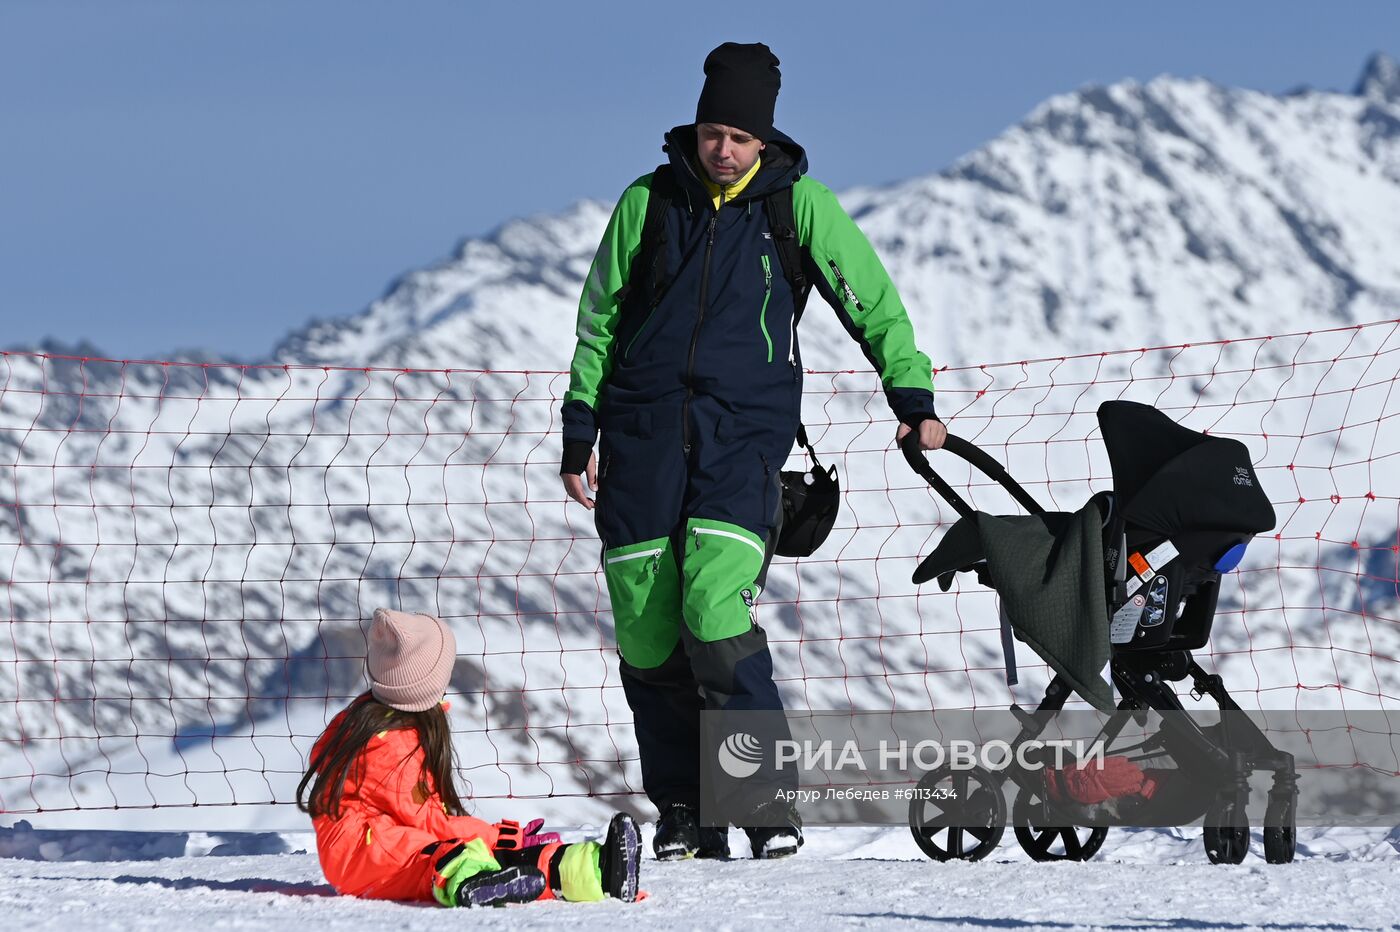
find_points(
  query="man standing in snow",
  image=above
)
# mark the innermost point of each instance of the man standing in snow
(687, 361)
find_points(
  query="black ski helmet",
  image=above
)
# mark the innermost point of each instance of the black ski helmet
(811, 501)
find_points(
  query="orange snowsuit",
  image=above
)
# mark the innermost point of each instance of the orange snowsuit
(389, 814)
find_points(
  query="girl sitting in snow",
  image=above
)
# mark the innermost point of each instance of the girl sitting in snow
(389, 822)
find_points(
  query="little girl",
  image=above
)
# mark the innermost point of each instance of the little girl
(389, 823)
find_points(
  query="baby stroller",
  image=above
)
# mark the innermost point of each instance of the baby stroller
(1183, 508)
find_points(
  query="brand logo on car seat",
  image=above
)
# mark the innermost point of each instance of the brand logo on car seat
(1242, 476)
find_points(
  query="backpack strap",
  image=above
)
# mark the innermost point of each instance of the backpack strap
(781, 220)
(648, 261)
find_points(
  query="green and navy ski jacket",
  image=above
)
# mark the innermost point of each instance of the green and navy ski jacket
(724, 324)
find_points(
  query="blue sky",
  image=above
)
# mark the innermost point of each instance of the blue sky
(213, 175)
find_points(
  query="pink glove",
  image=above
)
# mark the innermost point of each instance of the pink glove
(511, 837)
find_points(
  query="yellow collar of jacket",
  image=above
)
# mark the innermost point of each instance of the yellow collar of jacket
(728, 192)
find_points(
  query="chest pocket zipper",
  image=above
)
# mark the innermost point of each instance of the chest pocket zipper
(763, 312)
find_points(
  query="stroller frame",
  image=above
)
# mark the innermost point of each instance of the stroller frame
(969, 826)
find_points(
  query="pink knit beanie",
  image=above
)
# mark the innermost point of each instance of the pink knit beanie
(410, 659)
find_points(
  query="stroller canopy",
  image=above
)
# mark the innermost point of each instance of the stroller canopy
(1171, 479)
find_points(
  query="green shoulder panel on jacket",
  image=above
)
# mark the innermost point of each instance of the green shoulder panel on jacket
(859, 288)
(598, 307)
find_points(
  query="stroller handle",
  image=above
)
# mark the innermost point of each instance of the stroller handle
(978, 459)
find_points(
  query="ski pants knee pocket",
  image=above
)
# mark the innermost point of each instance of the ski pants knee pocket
(721, 565)
(714, 588)
(645, 588)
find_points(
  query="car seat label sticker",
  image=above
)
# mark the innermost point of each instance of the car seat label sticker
(1125, 621)
(1139, 565)
(1162, 555)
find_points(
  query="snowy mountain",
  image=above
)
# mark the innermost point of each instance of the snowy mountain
(1133, 214)
(191, 550)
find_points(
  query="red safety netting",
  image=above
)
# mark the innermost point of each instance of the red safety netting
(190, 554)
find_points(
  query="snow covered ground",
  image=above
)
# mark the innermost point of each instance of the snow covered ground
(1343, 879)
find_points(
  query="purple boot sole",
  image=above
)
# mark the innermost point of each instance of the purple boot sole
(498, 888)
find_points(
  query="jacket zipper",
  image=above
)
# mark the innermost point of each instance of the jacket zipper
(695, 334)
(763, 312)
(845, 286)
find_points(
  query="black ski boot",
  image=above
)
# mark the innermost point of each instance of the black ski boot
(621, 858)
(714, 842)
(777, 832)
(677, 833)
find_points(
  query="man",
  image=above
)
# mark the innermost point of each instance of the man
(690, 368)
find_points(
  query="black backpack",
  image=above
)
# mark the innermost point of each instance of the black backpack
(812, 498)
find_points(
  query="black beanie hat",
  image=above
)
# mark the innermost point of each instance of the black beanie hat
(741, 87)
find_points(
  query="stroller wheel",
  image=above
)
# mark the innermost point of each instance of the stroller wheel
(1279, 844)
(1053, 843)
(1226, 834)
(1280, 832)
(957, 815)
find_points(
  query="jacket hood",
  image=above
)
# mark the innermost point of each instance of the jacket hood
(783, 162)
